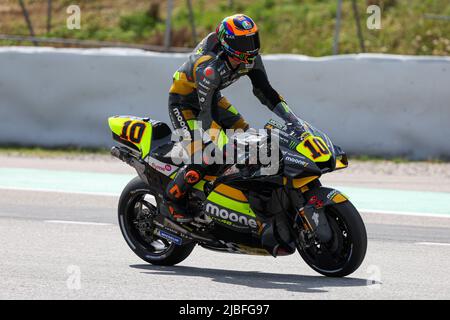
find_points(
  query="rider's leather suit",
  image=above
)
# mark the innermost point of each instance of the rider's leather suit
(195, 95)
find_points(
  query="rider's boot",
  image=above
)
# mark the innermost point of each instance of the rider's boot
(177, 190)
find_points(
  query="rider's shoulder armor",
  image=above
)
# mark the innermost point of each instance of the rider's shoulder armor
(206, 50)
(207, 54)
(185, 77)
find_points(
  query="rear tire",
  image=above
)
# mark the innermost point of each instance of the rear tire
(343, 254)
(146, 246)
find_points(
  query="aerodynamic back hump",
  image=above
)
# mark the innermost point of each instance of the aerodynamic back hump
(139, 134)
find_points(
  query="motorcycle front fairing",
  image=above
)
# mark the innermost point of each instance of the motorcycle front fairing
(314, 146)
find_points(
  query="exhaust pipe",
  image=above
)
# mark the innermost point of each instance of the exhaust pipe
(141, 167)
(122, 154)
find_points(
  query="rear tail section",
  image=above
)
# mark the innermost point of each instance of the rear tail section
(138, 134)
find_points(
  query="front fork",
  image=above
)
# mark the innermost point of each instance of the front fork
(301, 227)
(310, 221)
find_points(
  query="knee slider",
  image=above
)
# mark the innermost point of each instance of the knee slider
(192, 176)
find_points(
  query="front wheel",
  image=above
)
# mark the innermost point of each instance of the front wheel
(137, 207)
(345, 252)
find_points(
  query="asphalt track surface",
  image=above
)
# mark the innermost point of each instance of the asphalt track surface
(62, 245)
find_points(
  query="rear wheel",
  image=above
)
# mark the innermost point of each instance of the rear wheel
(137, 208)
(344, 253)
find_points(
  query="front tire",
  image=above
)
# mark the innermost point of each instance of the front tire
(345, 252)
(137, 204)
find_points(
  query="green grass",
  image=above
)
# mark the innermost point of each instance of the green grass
(287, 26)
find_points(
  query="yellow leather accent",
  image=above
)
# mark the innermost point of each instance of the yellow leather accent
(182, 87)
(240, 124)
(223, 103)
(188, 114)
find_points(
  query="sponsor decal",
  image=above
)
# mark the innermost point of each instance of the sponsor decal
(209, 72)
(315, 201)
(304, 136)
(332, 194)
(319, 204)
(162, 167)
(337, 196)
(284, 140)
(230, 216)
(167, 228)
(181, 121)
(227, 83)
(296, 160)
(203, 86)
(249, 65)
(246, 25)
(158, 167)
(315, 218)
(175, 239)
(278, 125)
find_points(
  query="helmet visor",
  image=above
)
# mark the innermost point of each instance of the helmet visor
(244, 44)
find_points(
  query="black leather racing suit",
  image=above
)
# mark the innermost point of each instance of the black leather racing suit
(195, 95)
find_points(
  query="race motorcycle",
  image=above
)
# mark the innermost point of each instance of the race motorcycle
(237, 208)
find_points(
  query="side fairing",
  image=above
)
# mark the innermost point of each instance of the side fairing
(296, 165)
(230, 207)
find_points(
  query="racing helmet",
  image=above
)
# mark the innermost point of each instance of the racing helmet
(238, 36)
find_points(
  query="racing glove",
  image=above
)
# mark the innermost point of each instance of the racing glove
(284, 112)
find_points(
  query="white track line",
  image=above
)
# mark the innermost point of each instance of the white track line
(433, 244)
(103, 194)
(406, 213)
(78, 222)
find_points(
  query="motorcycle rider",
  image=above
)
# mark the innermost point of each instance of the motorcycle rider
(219, 60)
